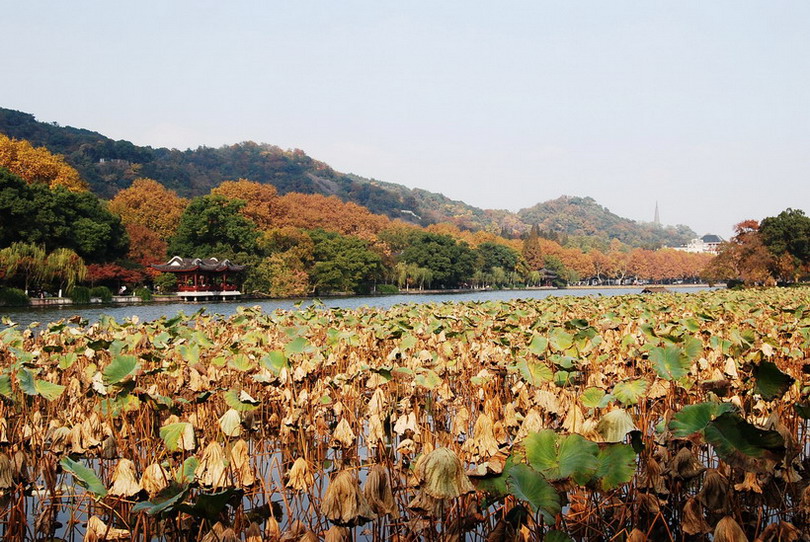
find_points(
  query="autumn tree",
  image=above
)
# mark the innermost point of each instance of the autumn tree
(37, 165)
(532, 251)
(145, 246)
(312, 211)
(261, 201)
(745, 258)
(150, 205)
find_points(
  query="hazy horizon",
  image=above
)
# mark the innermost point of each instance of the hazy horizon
(698, 106)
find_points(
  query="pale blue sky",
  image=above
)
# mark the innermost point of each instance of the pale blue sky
(703, 106)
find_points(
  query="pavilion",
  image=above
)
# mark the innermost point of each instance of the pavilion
(204, 279)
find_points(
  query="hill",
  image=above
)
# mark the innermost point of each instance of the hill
(109, 165)
(577, 216)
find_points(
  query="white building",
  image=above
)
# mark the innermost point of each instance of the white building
(708, 244)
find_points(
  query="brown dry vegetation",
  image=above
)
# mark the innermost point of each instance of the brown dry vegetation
(666, 417)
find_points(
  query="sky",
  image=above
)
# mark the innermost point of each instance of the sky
(703, 107)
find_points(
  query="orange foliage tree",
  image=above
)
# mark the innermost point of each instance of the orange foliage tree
(261, 201)
(145, 247)
(311, 211)
(151, 205)
(38, 165)
(745, 258)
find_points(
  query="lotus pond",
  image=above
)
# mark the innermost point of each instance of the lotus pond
(663, 417)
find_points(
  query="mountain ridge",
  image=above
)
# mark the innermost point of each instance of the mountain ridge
(110, 165)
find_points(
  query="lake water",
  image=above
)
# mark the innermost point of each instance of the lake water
(151, 311)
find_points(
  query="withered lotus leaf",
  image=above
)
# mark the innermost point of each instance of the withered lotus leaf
(125, 481)
(615, 425)
(337, 533)
(344, 503)
(714, 492)
(442, 474)
(231, 423)
(99, 530)
(343, 435)
(240, 464)
(693, 522)
(6, 474)
(154, 479)
(213, 469)
(483, 443)
(685, 465)
(378, 491)
(728, 530)
(749, 483)
(300, 477)
(253, 533)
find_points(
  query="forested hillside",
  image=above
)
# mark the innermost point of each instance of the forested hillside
(575, 216)
(109, 166)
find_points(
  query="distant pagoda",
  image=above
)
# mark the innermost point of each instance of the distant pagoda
(204, 279)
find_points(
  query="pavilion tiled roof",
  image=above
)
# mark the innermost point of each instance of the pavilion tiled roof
(181, 265)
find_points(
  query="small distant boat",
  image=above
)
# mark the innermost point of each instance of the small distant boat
(654, 290)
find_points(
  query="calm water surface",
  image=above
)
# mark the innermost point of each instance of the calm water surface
(151, 311)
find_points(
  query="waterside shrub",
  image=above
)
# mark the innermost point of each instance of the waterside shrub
(143, 293)
(13, 297)
(79, 295)
(101, 292)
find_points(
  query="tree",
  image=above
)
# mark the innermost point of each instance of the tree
(496, 255)
(745, 258)
(150, 205)
(58, 218)
(65, 267)
(212, 226)
(342, 263)
(145, 246)
(262, 204)
(532, 251)
(25, 260)
(37, 165)
(450, 262)
(787, 237)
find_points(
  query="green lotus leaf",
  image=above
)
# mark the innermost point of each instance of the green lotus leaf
(529, 486)
(771, 383)
(240, 401)
(298, 345)
(535, 373)
(740, 443)
(167, 500)
(560, 340)
(670, 363)
(595, 398)
(693, 418)
(616, 465)
(178, 436)
(428, 379)
(275, 361)
(538, 345)
(85, 477)
(119, 369)
(48, 390)
(629, 392)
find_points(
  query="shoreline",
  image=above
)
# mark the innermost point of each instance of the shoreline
(134, 300)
